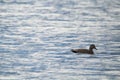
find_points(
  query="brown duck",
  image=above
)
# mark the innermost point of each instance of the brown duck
(86, 51)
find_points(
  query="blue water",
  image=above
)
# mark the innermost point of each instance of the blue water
(36, 37)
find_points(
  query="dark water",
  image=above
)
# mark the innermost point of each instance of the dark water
(36, 37)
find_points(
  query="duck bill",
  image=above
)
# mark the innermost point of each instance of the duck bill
(96, 48)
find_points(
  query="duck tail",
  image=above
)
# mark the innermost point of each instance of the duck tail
(73, 50)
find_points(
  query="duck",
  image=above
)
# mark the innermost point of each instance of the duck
(85, 51)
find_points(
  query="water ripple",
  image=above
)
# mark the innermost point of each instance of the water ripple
(36, 38)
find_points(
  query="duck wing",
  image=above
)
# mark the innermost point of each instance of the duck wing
(80, 50)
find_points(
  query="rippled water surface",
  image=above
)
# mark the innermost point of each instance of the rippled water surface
(36, 37)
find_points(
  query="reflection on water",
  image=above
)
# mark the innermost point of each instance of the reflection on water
(36, 38)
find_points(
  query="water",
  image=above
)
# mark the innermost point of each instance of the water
(36, 37)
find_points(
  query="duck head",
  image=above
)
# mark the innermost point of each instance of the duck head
(92, 46)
